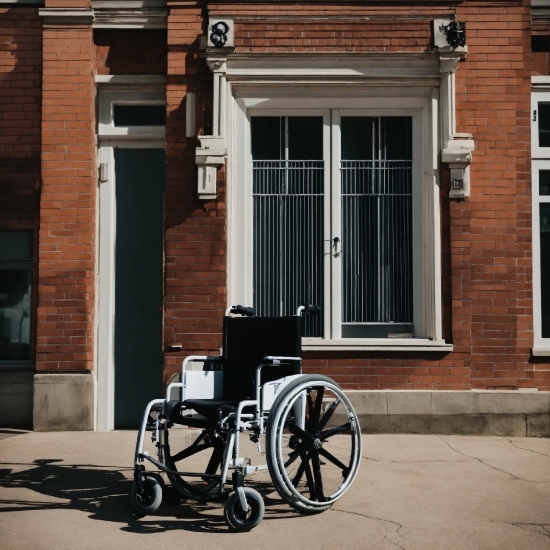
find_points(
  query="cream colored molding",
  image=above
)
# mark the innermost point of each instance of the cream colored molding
(128, 4)
(456, 148)
(130, 18)
(103, 17)
(212, 152)
(66, 17)
(146, 80)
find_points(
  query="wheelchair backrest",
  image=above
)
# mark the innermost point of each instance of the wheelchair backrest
(247, 340)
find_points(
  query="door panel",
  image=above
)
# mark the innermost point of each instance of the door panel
(140, 177)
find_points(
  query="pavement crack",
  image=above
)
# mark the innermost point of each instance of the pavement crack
(539, 528)
(530, 450)
(391, 529)
(483, 462)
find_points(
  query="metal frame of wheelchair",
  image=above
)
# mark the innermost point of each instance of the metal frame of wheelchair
(313, 440)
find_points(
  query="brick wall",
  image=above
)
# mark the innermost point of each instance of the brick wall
(486, 240)
(20, 83)
(195, 250)
(124, 51)
(20, 117)
(68, 203)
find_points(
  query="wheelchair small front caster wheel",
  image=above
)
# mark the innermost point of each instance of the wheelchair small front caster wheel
(236, 518)
(147, 501)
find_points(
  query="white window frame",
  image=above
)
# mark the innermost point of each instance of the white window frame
(541, 345)
(536, 151)
(540, 161)
(424, 109)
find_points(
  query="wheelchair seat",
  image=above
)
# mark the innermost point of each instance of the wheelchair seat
(246, 342)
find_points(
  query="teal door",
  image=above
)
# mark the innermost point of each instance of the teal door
(139, 176)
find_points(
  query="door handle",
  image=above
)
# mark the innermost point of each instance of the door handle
(335, 243)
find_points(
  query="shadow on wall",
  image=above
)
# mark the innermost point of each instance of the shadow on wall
(103, 494)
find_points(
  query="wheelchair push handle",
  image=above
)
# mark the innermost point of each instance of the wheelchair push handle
(308, 308)
(241, 310)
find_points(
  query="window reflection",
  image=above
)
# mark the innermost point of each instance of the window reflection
(15, 294)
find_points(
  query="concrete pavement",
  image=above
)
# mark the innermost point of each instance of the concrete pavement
(69, 490)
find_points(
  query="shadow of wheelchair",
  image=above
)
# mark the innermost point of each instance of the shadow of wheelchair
(103, 494)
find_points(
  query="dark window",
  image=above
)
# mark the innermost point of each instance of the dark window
(545, 268)
(544, 124)
(139, 115)
(544, 182)
(540, 44)
(15, 294)
(288, 181)
(376, 172)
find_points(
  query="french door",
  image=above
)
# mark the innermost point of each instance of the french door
(333, 221)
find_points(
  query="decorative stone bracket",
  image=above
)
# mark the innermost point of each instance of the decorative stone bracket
(456, 148)
(216, 45)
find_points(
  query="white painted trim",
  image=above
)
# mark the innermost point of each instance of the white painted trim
(375, 344)
(426, 235)
(540, 343)
(108, 141)
(128, 4)
(540, 80)
(118, 80)
(536, 151)
(540, 352)
(35, 2)
(130, 19)
(109, 98)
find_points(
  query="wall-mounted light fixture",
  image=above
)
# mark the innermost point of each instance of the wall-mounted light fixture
(190, 116)
(449, 36)
(455, 34)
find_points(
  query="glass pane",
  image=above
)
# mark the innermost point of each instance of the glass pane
(377, 229)
(544, 182)
(268, 137)
(288, 218)
(15, 310)
(139, 115)
(357, 138)
(544, 124)
(545, 268)
(15, 245)
(305, 138)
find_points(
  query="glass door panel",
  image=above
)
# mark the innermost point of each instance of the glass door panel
(376, 201)
(288, 198)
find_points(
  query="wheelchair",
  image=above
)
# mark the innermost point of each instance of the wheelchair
(311, 432)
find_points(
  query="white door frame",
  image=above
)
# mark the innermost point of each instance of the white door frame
(109, 138)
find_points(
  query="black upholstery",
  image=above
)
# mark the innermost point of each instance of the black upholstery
(246, 341)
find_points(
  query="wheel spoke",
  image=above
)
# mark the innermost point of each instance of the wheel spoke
(294, 455)
(318, 477)
(301, 470)
(317, 410)
(334, 431)
(328, 415)
(298, 432)
(309, 478)
(334, 460)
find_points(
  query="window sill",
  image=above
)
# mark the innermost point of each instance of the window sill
(397, 344)
(540, 352)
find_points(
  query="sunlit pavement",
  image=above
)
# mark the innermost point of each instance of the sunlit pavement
(69, 490)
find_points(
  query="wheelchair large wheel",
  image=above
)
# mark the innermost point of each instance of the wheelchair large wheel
(313, 444)
(197, 453)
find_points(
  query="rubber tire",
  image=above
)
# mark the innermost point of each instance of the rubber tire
(272, 444)
(233, 512)
(150, 500)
